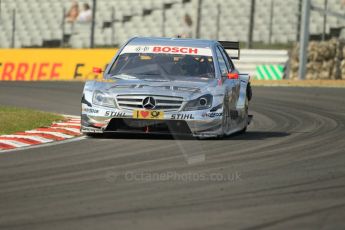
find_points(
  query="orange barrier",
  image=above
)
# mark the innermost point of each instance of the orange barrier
(52, 64)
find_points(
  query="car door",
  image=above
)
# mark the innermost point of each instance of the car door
(225, 69)
(229, 102)
(233, 85)
(231, 69)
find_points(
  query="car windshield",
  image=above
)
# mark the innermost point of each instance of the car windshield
(172, 64)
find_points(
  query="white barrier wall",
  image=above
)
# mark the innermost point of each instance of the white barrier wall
(250, 59)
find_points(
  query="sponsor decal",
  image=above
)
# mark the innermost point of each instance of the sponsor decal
(114, 114)
(148, 114)
(168, 50)
(30, 71)
(214, 109)
(90, 130)
(174, 49)
(142, 48)
(182, 117)
(212, 115)
(89, 110)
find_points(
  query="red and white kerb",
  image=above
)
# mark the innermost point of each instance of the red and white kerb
(56, 132)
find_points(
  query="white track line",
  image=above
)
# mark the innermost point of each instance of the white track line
(68, 129)
(14, 143)
(44, 145)
(71, 116)
(75, 120)
(51, 133)
(34, 138)
(66, 124)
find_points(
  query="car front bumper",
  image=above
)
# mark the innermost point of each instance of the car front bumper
(200, 123)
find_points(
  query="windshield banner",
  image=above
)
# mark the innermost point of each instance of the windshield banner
(167, 50)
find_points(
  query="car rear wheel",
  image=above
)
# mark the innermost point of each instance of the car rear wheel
(246, 106)
(226, 119)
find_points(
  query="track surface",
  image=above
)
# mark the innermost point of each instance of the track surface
(287, 172)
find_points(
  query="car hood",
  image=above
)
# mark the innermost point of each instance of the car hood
(185, 87)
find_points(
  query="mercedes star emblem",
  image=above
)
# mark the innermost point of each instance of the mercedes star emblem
(149, 103)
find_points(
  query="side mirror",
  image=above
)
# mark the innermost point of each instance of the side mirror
(233, 76)
(97, 70)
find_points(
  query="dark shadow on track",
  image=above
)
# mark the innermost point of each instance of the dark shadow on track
(255, 135)
(130, 136)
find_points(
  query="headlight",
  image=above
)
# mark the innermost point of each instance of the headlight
(102, 99)
(203, 102)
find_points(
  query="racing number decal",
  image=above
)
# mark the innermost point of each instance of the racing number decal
(148, 114)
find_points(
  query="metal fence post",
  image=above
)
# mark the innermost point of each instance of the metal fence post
(304, 39)
(251, 25)
(198, 20)
(271, 23)
(163, 20)
(13, 28)
(113, 26)
(63, 27)
(218, 21)
(324, 20)
(92, 37)
(299, 20)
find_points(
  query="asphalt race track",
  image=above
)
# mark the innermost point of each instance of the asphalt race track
(287, 172)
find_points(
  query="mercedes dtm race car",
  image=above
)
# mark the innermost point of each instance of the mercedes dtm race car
(169, 85)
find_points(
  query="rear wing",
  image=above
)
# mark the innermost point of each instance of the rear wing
(231, 46)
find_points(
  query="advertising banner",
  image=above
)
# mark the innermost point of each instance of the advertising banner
(52, 64)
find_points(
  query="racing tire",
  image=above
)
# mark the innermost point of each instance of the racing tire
(249, 92)
(225, 120)
(246, 110)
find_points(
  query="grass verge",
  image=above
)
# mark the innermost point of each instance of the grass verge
(13, 119)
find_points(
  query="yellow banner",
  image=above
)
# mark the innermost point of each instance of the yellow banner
(52, 64)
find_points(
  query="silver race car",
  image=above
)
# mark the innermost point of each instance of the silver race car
(169, 85)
